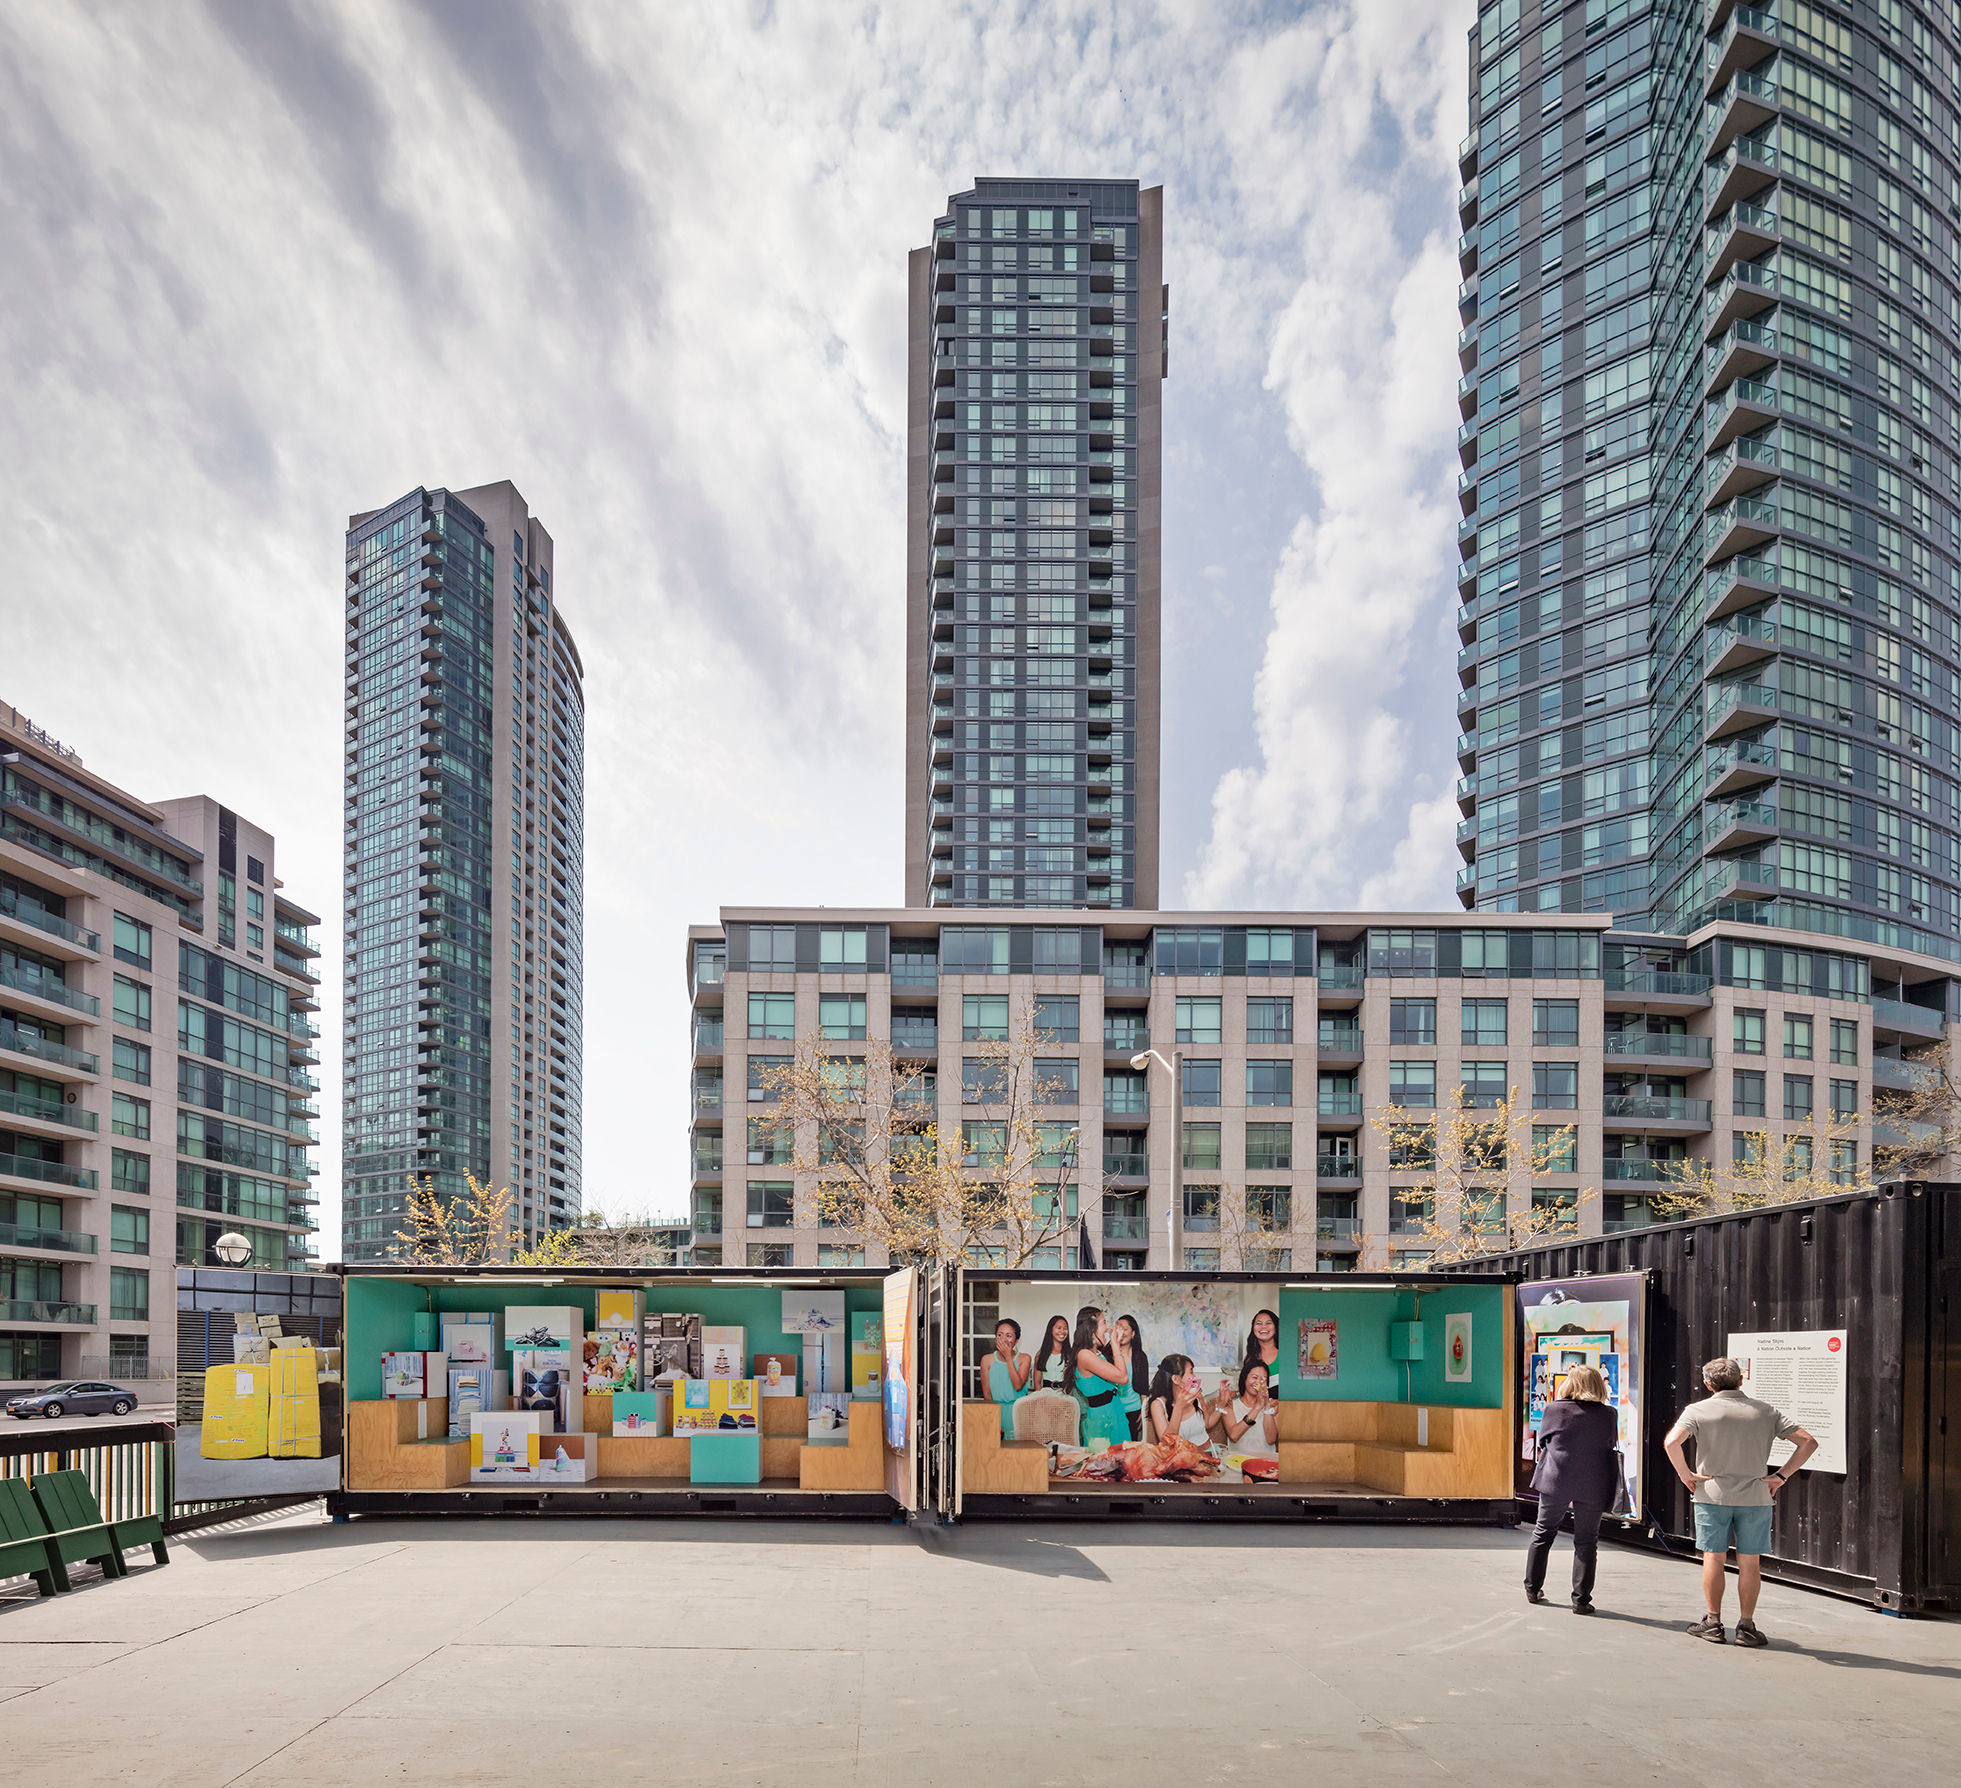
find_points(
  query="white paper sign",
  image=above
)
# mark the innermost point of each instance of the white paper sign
(1803, 1374)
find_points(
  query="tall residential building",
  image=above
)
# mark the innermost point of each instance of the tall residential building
(1293, 1034)
(465, 865)
(1037, 347)
(1711, 557)
(156, 1039)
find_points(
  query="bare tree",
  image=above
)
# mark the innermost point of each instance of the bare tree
(864, 1127)
(1819, 1160)
(1928, 1113)
(467, 1228)
(1469, 1157)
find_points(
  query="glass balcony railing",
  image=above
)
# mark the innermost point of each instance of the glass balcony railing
(1127, 974)
(43, 987)
(1654, 981)
(1657, 1110)
(30, 1235)
(1656, 1043)
(1651, 1173)
(1903, 1016)
(47, 1111)
(1340, 1104)
(1333, 1039)
(1340, 977)
(1338, 1229)
(1128, 1166)
(1337, 1167)
(25, 1043)
(1127, 1101)
(1720, 818)
(1125, 1226)
(34, 1310)
(27, 912)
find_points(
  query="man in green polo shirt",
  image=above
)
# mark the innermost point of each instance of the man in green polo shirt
(1733, 1486)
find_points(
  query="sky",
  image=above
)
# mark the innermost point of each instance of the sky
(265, 265)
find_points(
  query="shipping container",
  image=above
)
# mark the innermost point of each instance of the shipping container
(1865, 1290)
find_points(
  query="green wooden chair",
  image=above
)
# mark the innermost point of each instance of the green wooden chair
(69, 1491)
(26, 1547)
(75, 1524)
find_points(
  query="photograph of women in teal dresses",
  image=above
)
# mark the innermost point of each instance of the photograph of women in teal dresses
(1052, 1357)
(1127, 1354)
(1008, 1372)
(1263, 1341)
(1094, 1379)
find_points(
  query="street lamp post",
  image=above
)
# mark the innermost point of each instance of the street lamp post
(1174, 1212)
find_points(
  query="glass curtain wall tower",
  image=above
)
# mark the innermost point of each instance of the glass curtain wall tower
(1037, 350)
(465, 972)
(1754, 294)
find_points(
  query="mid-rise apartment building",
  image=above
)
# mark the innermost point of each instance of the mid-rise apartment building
(1711, 581)
(1291, 1033)
(465, 890)
(1037, 351)
(157, 994)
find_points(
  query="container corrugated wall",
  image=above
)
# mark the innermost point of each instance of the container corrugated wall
(1885, 1267)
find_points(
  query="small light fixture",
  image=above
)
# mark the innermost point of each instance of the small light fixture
(232, 1249)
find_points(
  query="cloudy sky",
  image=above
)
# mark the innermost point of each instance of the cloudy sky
(265, 264)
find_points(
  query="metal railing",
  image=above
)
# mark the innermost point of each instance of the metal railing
(29, 1167)
(32, 1235)
(36, 1310)
(1641, 1105)
(46, 1111)
(21, 1041)
(26, 912)
(1656, 1043)
(44, 987)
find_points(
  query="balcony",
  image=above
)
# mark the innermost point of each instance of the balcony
(1131, 1165)
(1338, 1167)
(1467, 251)
(1747, 166)
(1338, 1229)
(1467, 839)
(1467, 203)
(1751, 35)
(1340, 977)
(1744, 232)
(1897, 1015)
(1620, 1110)
(1339, 1106)
(1467, 156)
(1656, 989)
(60, 1055)
(1467, 752)
(1467, 395)
(1737, 824)
(25, 1108)
(1467, 794)
(28, 916)
(31, 984)
(1744, 291)
(1656, 1046)
(1740, 641)
(31, 1310)
(1339, 1043)
(58, 1241)
(1743, 524)
(1736, 707)
(1467, 347)
(1739, 765)
(1746, 406)
(1745, 465)
(163, 868)
(1125, 1226)
(1127, 976)
(1744, 348)
(1895, 1075)
(1741, 582)
(1467, 879)
(1743, 107)
(1644, 1173)
(1747, 881)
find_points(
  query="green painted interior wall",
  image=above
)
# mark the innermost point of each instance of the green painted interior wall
(378, 1312)
(1369, 1375)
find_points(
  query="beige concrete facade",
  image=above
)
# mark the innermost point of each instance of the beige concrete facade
(1635, 1048)
(157, 1040)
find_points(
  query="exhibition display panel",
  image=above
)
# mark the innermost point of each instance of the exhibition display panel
(1348, 1397)
(480, 1388)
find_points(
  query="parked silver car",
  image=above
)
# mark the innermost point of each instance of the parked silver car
(81, 1396)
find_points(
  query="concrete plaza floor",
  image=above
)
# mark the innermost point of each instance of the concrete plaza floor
(592, 1651)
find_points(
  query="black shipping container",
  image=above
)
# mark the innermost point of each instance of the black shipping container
(1886, 1267)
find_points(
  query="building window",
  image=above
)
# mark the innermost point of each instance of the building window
(982, 1082)
(769, 1144)
(1484, 1024)
(773, 1015)
(1202, 1147)
(1269, 1021)
(1199, 1021)
(1201, 1260)
(132, 941)
(771, 1204)
(1556, 1024)
(1270, 1147)
(1194, 950)
(772, 949)
(1797, 1096)
(984, 1017)
(1845, 1098)
(1269, 1209)
(1797, 1038)
(1269, 1083)
(1485, 1085)
(1125, 1033)
(841, 951)
(1413, 1021)
(132, 1003)
(1746, 1093)
(1125, 1091)
(708, 1209)
(839, 1254)
(1202, 1083)
(129, 1294)
(1747, 1032)
(1558, 1209)
(1270, 951)
(129, 1117)
(916, 1033)
(986, 1145)
(1556, 1148)
(1058, 1080)
(1059, 1017)
(761, 1067)
(704, 1255)
(770, 1254)
(129, 1172)
(132, 1061)
(1201, 1208)
(1413, 1083)
(1555, 1086)
(129, 1230)
(1411, 1210)
(841, 1017)
(1845, 1042)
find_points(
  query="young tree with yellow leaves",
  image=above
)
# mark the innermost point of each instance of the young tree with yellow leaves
(1472, 1156)
(1816, 1160)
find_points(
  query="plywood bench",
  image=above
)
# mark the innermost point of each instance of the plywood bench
(1465, 1453)
(993, 1466)
(860, 1465)
(403, 1443)
(781, 1421)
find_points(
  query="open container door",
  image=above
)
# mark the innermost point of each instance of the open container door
(1600, 1320)
(939, 1389)
(901, 1386)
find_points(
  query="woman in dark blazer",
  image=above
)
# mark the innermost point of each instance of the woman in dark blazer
(1578, 1468)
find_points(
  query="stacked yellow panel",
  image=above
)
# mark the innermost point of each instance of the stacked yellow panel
(293, 1420)
(237, 1401)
